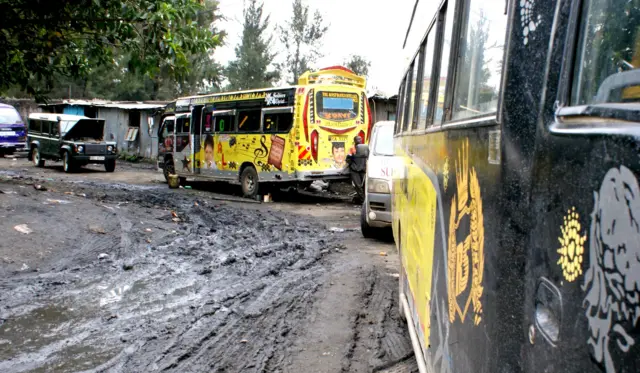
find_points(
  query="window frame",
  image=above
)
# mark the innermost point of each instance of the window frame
(609, 117)
(279, 110)
(230, 112)
(415, 119)
(407, 94)
(260, 121)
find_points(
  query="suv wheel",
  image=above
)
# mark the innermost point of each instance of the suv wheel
(67, 163)
(367, 231)
(110, 166)
(36, 157)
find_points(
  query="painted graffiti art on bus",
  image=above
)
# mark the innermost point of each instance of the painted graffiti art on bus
(612, 281)
(466, 256)
(571, 249)
(209, 153)
(339, 154)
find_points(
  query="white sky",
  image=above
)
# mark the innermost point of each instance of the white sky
(374, 29)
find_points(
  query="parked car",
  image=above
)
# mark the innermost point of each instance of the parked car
(376, 209)
(13, 136)
(74, 139)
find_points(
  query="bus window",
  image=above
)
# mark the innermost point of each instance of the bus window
(207, 123)
(417, 88)
(444, 62)
(400, 109)
(337, 106)
(407, 100)
(278, 122)
(479, 68)
(423, 106)
(182, 124)
(224, 123)
(608, 55)
(249, 120)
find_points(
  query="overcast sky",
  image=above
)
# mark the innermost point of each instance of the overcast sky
(374, 29)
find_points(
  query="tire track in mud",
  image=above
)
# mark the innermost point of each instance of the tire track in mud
(219, 291)
(379, 341)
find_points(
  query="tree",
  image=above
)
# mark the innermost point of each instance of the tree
(43, 39)
(302, 36)
(358, 65)
(250, 69)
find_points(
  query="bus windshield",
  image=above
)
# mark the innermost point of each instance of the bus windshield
(384, 141)
(337, 106)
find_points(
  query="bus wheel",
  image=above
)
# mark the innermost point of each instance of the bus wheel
(168, 169)
(249, 182)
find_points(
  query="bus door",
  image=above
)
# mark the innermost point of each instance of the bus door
(582, 308)
(166, 137)
(218, 142)
(182, 145)
(196, 135)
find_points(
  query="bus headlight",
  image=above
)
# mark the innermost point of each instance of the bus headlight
(380, 186)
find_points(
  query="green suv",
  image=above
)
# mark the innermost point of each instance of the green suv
(74, 139)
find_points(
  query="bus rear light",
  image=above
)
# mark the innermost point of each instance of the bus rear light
(305, 118)
(314, 145)
(370, 120)
(361, 136)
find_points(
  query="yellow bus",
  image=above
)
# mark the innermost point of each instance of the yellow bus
(273, 136)
(516, 206)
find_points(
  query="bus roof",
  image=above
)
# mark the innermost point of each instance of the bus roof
(334, 75)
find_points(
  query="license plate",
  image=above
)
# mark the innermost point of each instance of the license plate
(7, 133)
(96, 158)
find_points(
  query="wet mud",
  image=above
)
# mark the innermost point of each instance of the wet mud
(140, 278)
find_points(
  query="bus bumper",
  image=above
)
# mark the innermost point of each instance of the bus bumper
(322, 175)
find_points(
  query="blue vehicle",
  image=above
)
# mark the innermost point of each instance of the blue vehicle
(13, 135)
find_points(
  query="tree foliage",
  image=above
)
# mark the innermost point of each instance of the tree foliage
(358, 65)
(302, 36)
(254, 55)
(41, 40)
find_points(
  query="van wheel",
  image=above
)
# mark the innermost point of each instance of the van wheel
(36, 157)
(367, 231)
(67, 163)
(110, 166)
(249, 182)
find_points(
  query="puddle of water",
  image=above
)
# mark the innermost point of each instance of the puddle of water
(34, 329)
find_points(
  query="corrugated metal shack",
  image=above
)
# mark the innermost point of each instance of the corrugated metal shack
(383, 107)
(132, 124)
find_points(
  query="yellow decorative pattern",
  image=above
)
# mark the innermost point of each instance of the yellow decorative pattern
(571, 246)
(465, 262)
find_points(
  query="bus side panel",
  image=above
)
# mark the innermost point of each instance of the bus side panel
(456, 223)
(417, 205)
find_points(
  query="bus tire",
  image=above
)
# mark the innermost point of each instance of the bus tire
(249, 182)
(367, 231)
(168, 169)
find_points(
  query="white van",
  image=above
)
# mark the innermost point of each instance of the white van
(376, 209)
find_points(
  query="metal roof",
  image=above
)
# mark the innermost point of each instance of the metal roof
(125, 105)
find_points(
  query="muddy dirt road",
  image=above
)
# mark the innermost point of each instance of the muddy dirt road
(117, 273)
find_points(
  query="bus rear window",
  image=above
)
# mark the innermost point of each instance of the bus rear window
(337, 106)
